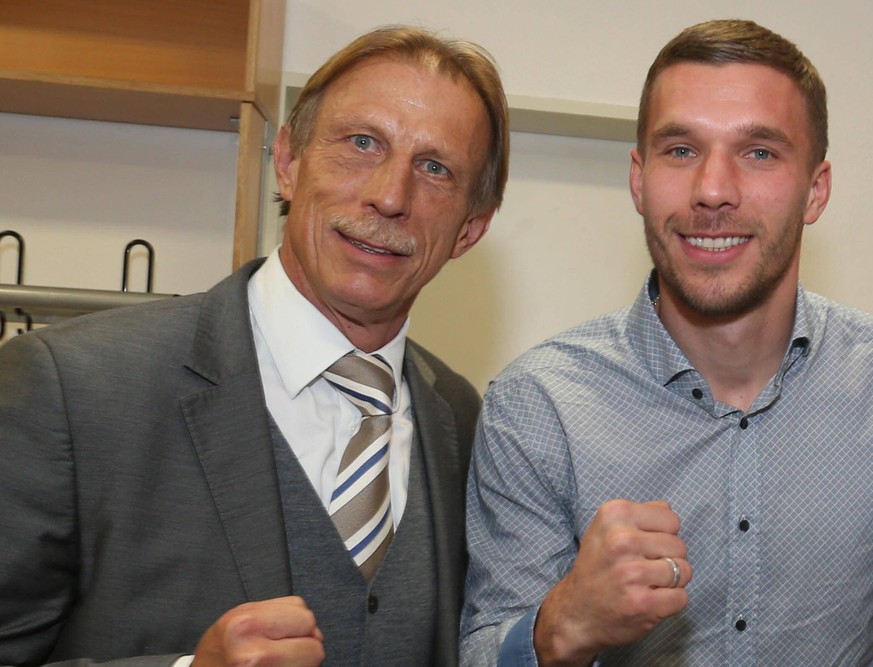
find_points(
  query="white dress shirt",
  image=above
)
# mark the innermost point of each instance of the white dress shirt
(295, 343)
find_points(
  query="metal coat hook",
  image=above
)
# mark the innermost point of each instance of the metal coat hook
(19, 277)
(20, 271)
(28, 321)
(124, 270)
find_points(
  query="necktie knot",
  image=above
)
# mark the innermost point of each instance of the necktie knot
(364, 379)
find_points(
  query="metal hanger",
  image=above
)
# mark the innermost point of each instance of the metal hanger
(28, 321)
(19, 276)
(126, 264)
(17, 237)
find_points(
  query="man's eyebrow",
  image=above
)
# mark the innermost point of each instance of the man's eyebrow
(764, 133)
(354, 123)
(670, 131)
(747, 130)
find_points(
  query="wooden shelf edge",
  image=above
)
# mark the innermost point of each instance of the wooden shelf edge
(119, 101)
(539, 115)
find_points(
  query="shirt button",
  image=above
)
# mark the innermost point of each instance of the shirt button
(744, 423)
(372, 604)
(697, 393)
(740, 623)
(744, 524)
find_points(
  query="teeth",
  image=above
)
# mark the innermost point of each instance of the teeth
(376, 251)
(719, 244)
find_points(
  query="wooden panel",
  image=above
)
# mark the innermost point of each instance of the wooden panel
(264, 66)
(250, 161)
(198, 43)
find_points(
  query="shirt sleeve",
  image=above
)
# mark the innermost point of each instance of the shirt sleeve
(520, 522)
(517, 649)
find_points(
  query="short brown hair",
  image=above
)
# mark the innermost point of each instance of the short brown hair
(447, 56)
(737, 41)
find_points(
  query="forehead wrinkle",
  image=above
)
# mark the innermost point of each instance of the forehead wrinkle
(356, 123)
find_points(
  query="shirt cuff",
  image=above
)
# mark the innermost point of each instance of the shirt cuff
(184, 661)
(517, 649)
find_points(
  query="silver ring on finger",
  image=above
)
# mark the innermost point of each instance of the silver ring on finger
(677, 573)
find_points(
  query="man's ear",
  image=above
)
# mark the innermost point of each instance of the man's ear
(819, 193)
(471, 231)
(635, 179)
(286, 163)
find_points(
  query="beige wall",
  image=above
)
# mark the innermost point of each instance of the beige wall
(79, 191)
(567, 244)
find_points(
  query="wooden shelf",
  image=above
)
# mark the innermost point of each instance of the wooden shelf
(202, 64)
(540, 115)
(160, 62)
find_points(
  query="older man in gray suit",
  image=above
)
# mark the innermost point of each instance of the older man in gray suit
(173, 474)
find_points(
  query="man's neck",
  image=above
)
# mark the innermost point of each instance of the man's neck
(367, 337)
(737, 356)
(368, 330)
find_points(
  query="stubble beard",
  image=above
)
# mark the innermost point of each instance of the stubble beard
(716, 298)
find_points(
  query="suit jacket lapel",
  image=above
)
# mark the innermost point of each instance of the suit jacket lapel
(437, 433)
(229, 427)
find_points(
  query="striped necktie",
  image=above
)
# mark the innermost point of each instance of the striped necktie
(360, 505)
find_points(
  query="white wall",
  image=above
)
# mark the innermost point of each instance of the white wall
(567, 244)
(79, 191)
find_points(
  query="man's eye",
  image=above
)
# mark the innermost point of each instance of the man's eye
(435, 168)
(761, 154)
(362, 141)
(681, 152)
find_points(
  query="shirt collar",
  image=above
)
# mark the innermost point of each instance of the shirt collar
(300, 339)
(667, 362)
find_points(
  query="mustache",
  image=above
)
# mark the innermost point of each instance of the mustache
(710, 223)
(376, 232)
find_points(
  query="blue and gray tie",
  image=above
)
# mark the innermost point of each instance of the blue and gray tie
(360, 505)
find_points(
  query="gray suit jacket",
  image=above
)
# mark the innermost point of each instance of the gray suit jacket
(138, 490)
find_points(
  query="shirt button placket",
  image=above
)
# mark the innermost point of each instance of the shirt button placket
(743, 550)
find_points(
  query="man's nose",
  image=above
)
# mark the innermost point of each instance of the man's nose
(389, 188)
(716, 182)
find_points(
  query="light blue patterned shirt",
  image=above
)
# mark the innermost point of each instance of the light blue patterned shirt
(776, 503)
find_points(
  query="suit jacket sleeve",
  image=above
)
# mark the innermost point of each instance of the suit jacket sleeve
(38, 553)
(138, 494)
